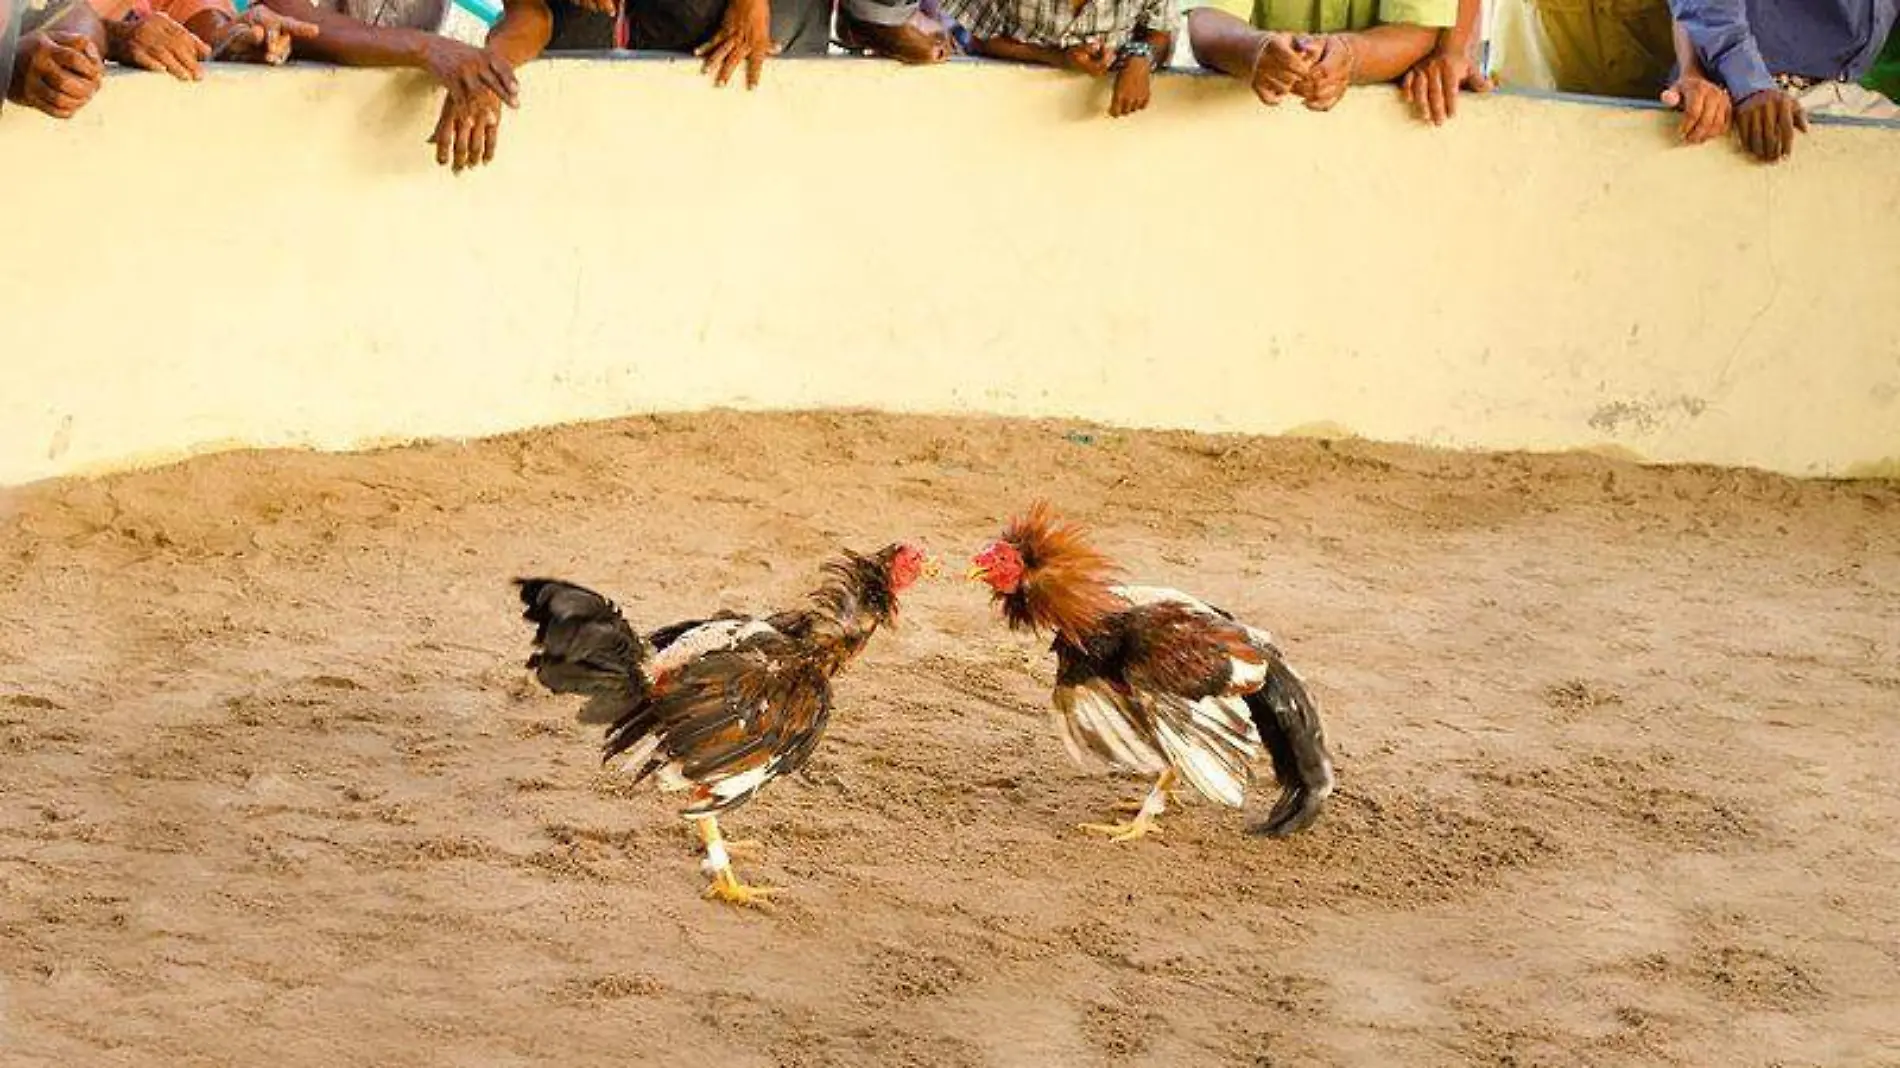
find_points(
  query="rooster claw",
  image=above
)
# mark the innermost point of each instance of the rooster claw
(727, 887)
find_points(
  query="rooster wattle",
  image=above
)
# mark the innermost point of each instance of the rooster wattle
(1156, 682)
(719, 706)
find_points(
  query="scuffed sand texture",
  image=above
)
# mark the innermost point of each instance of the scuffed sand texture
(1616, 746)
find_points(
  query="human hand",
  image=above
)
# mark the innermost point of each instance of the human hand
(744, 36)
(1131, 87)
(1277, 68)
(1330, 75)
(158, 42)
(466, 71)
(1705, 108)
(261, 35)
(469, 129)
(1433, 84)
(1767, 121)
(60, 72)
(1091, 59)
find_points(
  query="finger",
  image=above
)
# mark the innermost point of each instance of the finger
(464, 141)
(1784, 129)
(754, 68)
(1714, 119)
(1479, 82)
(735, 58)
(496, 81)
(1435, 94)
(80, 64)
(1672, 98)
(478, 141)
(717, 39)
(443, 134)
(163, 60)
(510, 87)
(491, 137)
(1414, 90)
(299, 28)
(59, 97)
(1800, 118)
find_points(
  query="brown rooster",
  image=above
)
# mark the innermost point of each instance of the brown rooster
(1156, 682)
(718, 706)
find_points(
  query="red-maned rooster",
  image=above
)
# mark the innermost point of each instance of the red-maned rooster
(1156, 682)
(720, 706)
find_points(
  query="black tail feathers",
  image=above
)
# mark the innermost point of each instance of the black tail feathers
(584, 646)
(1290, 725)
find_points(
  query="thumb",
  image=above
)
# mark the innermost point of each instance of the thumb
(1672, 97)
(300, 28)
(1480, 83)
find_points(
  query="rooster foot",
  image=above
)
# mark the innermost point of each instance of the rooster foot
(744, 847)
(1139, 827)
(727, 887)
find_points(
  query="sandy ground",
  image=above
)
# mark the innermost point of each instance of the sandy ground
(1617, 749)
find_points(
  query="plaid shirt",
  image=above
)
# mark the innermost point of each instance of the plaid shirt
(1058, 24)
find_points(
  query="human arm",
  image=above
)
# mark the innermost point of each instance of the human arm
(260, 35)
(350, 42)
(1433, 84)
(1719, 34)
(1269, 63)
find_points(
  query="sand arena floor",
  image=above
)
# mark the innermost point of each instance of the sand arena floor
(1617, 750)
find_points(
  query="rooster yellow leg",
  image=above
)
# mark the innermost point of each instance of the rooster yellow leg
(1144, 822)
(1166, 785)
(725, 885)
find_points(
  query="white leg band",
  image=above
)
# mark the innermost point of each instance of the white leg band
(1153, 805)
(716, 859)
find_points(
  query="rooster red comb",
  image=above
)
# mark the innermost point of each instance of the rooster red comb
(1065, 580)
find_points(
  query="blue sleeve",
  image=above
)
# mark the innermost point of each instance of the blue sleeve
(1719, 30)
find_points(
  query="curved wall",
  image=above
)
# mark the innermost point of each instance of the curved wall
(271, 258)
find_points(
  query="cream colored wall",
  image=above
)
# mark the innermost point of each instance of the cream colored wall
(271, 258)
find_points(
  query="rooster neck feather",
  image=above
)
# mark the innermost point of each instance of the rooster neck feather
(842, 613)
(1065, 582)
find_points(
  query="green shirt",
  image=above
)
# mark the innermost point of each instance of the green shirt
(1885, 77)
(1334, 16)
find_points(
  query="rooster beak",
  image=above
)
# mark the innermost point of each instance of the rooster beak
(977, 573)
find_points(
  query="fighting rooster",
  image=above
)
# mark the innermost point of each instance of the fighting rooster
(718, 706)
(1156, 682)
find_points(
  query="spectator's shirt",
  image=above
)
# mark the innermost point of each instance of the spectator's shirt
(409, 14)
(1747, 42)
(1885, 77)
(1334, 16)
(1059, 24)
